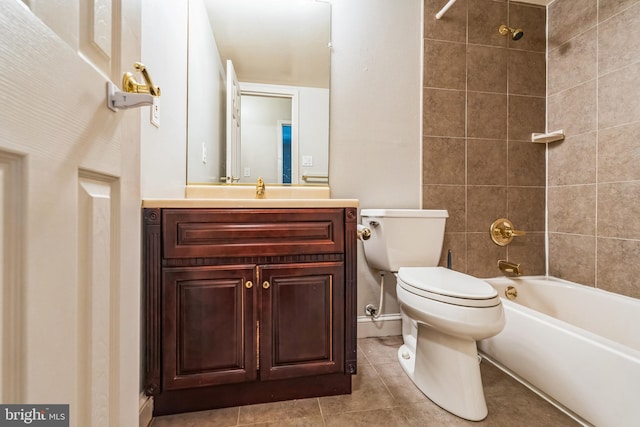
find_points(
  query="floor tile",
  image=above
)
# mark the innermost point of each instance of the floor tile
(383, 395)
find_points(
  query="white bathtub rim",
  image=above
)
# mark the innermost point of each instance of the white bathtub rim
(622, 349)
(505, 279)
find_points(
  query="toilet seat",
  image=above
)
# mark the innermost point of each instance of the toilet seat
(448, 286)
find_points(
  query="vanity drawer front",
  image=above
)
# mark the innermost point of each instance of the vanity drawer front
(200, 233)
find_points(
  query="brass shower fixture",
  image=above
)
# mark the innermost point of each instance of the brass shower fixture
(516, 33)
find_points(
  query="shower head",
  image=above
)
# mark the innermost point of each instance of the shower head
(516, 33)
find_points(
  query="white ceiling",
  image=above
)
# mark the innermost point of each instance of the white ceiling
(274, 41)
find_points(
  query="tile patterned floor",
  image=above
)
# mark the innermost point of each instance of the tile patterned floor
(383, 396)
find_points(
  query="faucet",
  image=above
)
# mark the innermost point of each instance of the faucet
(260, 189)
(509, 267)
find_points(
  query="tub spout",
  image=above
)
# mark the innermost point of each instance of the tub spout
(509, 267)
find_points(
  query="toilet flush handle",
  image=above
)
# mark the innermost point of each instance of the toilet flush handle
(364, 233)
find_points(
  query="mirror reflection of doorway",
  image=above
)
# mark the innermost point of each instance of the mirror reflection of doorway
(263, 135)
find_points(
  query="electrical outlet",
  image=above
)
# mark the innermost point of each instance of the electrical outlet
(307, 160)
(247, 171)
(155, 112)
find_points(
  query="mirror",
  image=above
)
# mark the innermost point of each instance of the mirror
(280, 51)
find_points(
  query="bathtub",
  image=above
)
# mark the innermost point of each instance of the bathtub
(579, 346)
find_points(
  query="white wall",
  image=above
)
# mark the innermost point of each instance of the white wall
(375, 145)
(206, 100)
(164, 52)
(259, 130)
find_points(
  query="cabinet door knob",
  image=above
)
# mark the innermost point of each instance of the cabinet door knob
(265, 285)
(248, 284)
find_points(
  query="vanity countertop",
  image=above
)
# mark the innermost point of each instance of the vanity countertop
(249, 203)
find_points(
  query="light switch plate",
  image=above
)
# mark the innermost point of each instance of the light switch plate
(155, 112)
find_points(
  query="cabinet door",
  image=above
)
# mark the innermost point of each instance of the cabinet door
(301, 320)
(208, 326)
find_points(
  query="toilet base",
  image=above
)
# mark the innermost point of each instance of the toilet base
(447, 370)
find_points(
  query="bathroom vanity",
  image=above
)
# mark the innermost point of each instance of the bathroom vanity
(247, 304)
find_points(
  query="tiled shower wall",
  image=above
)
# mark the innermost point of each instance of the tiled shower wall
(483, 96)
(594, 174)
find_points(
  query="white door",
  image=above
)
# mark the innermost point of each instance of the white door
(234, 154)
(69, 209)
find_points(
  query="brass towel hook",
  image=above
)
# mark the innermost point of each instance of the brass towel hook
(130, 85)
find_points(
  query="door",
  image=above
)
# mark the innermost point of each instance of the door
(69, 210)
(234, 154)
(208, 326)
(301, 320)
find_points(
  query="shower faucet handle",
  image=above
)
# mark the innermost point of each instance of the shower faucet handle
(502, 232)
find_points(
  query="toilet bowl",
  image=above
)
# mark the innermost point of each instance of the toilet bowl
(444, 312)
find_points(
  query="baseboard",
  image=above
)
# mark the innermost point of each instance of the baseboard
(383, 326)
(146, 411)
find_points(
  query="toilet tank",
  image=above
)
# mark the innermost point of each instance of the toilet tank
(403, 237)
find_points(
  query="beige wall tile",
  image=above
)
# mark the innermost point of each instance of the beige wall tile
(527, 208)
(526, 115)
(457, 243)
(619, 153)
(527, 164)
(486, 115)
(573, 160)
(568, 18)
(572, 209)
(608, 8)
(452, 27)
(444, 112)
(618, 40)
(485, 17)
(487, 68)
(527, 73)
(486, 162)
(574, 62)
(449, 197)
(445, 64)
(484, 205)
(443, 160)
(484, 255)
(532, 20)
(615, 274)
(618, 97)
(573, 257)
(529, 252)
(574, 110)
(619, 210)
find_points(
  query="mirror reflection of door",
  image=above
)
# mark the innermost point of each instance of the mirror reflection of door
(267, 122)
(234, 128)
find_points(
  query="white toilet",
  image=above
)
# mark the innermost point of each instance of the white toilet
(444, 312)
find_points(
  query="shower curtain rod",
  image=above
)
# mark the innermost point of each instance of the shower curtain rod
(444, 9)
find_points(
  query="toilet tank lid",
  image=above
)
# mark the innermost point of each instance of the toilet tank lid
(405, 213)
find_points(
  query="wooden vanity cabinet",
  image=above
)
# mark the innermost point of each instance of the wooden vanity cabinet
(247, 305)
